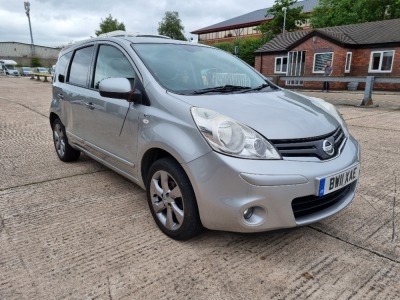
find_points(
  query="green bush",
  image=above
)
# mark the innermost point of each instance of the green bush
(35, 62)
(228, 47)
(246, 48)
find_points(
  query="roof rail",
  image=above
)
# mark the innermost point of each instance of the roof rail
(121, 33)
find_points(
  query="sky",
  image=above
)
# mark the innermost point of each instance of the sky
(59, 22)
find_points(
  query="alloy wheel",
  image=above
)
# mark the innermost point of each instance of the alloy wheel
(167, 201)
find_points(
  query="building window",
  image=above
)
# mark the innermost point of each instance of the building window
(381, 61)
(320, 60)
(281, 64)
(348, 62)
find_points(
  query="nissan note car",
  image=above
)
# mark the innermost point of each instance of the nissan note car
(214, 143)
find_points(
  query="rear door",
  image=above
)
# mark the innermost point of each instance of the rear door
(73, 92)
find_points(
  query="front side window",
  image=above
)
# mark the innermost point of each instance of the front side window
(111, 63)
(281, 65)
(381, 61)
(320, 60)
(80, 66)
(348, 62)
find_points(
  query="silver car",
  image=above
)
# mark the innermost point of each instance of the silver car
(213, 142)
(26, 71)
(42, 70)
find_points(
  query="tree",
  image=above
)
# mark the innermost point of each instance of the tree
(172, 26)
(109, 24)
(294, 17)
(343, 12)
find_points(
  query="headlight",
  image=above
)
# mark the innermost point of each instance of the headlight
(227, 136)
(333, 111)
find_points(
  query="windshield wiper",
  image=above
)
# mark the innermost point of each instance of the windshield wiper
(222, 89)
(258, 88)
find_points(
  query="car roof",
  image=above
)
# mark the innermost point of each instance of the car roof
(130, 39)
(122, 33)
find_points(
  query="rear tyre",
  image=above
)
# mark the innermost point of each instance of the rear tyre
(172, 201)
(64, 151)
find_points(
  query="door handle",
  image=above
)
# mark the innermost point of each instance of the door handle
(61, 96)
(89, 105)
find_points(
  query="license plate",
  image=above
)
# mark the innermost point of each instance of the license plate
(332, 183)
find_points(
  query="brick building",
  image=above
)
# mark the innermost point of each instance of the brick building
(367, 49)
(243, 26)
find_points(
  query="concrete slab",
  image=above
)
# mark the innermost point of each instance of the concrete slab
(80, 231)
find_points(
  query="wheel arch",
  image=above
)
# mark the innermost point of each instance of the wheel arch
(53, 116)
(149, 157)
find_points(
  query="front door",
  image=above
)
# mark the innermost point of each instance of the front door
(296, 66)
(112, 124)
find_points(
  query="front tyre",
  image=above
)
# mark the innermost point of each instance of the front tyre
(172, 201)
(64, 151)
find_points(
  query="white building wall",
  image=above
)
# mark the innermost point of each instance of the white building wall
(14, 49)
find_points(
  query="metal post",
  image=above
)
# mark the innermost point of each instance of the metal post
(369, 86)
(27, 6)
(284, 9)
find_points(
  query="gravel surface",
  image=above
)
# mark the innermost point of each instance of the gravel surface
(81, 231)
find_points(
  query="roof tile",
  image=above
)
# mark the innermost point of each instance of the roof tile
(379, 32)
(257, 16)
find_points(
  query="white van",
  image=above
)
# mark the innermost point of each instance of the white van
(8, 67)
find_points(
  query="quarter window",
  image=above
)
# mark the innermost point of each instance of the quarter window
(348, 62)
(381, 61)
(80, 66)
(281, 64)
(320, 60)
(62, 65)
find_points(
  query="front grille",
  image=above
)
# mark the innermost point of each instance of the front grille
(307, 205)
(311, 147)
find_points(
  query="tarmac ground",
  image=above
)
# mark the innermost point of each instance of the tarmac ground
(81, 231)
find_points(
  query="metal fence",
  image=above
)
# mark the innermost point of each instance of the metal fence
(369, 82)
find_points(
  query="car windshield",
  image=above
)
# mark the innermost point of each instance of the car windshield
(43, 70)
(10, 67)
(193, 69)
(26, 68)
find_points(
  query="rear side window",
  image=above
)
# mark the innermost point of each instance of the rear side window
(80, 66)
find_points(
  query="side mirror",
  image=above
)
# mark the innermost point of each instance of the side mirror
(119, 88)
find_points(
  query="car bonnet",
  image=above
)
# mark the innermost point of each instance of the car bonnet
(276, 115)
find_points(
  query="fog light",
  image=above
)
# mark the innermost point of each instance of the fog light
(248, 213)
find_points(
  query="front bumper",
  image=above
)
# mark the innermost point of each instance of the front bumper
(226, 186)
